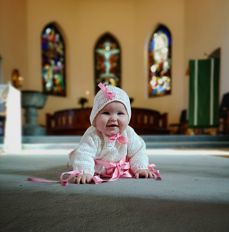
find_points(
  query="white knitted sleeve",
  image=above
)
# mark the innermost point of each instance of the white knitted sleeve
(136, 151)
(82, 158)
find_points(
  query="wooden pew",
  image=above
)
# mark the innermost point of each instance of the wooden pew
(75, 121)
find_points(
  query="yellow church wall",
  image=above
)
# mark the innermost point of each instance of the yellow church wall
(13, 37)
(207, 28)
(132, 22)
(150, 13)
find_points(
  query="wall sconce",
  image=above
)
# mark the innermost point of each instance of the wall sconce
(82, 101)
(16, 79)
(131, 100)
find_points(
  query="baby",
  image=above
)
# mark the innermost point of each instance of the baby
(110, 149)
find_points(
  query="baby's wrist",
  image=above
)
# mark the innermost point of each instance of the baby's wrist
(137, 169)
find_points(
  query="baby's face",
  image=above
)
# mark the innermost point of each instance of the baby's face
(112, 119)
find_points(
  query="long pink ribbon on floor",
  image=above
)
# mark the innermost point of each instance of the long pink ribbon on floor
(114, 171)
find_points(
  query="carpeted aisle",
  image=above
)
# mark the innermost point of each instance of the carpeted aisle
(193, 196)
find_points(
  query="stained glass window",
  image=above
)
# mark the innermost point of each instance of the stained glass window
(107, 58)
(159, 62)
(53, 61)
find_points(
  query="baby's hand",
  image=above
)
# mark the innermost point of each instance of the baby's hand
(83, 179)
(143, 173)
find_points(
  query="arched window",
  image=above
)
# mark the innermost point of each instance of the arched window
(159, 62)
(53, 61)
(107, 58)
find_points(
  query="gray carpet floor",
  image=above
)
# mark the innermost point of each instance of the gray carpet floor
(193, 196)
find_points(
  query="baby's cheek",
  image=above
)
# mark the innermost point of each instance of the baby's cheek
(123, 127)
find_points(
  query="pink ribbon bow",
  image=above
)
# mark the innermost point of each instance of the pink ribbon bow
(114, 170)
(120, 138)
(108, 94)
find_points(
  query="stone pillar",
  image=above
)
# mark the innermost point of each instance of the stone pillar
(31, 102)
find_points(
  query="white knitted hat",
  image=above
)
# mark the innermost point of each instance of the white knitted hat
(106, 95)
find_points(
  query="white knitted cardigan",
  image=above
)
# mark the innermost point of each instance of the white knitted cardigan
(94, 145)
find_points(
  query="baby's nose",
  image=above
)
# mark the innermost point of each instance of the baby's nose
(113, 117)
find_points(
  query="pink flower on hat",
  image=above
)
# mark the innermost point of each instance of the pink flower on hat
(106, 92)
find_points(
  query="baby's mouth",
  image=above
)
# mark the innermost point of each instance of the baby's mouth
(112, 125)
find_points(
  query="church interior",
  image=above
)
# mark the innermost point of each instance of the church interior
(170, 56)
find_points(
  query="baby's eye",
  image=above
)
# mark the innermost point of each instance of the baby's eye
(105, 113)
(121, 113)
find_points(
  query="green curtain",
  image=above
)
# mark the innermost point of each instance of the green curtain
(204, 93)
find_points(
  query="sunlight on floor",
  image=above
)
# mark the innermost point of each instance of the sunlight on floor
(65, 150)
(220, 152)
